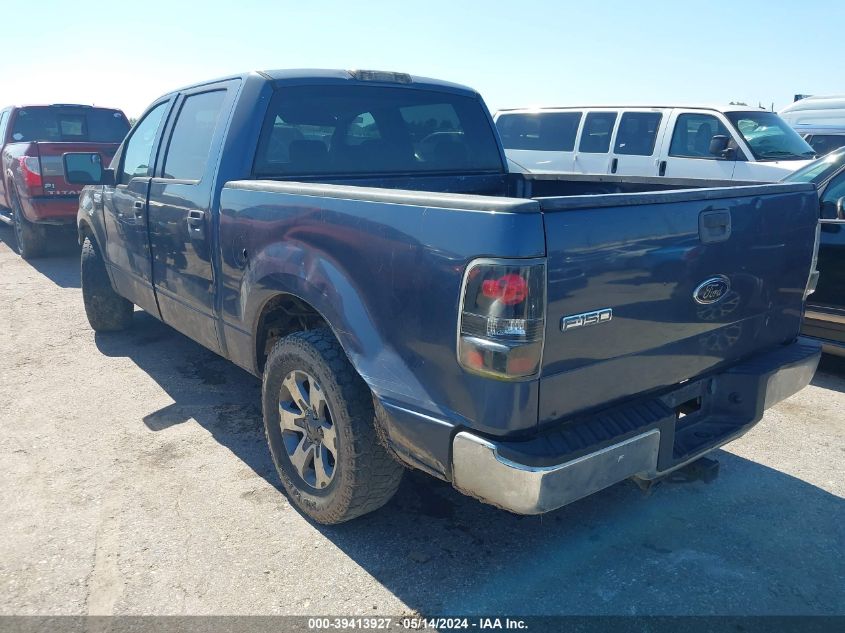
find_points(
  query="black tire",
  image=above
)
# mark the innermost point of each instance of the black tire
(30, 238)
(106, 310)
(364, 476)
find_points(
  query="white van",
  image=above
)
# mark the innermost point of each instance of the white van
(815, 111)
(721, 143)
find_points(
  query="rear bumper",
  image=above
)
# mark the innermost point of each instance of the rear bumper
(644, 439)
(59, 210)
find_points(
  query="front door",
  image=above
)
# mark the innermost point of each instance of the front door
(180, 222)
(687, 154)
(125, 211)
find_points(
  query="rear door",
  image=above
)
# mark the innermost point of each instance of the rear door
(181, 197)
(687, 281)
(635, 146)
(125, 210)
(540, 141)
(594, 142)
(686, 150)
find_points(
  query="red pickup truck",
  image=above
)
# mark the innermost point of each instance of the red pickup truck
(33, 191)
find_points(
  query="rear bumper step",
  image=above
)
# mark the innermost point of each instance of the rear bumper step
(646, 439)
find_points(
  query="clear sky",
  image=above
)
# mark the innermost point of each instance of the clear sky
(524, 53)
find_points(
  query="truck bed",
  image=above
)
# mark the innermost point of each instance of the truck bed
(637, 252)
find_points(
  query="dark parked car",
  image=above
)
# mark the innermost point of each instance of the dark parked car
(34, 195)
(825, 316)
(355, 239)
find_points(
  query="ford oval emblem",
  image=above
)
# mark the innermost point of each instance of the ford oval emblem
(711, 290)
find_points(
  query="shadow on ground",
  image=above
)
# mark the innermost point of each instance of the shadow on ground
(60, 264)
(754, 541)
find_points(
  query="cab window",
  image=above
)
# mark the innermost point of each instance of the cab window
(692, 135)
(190, 142)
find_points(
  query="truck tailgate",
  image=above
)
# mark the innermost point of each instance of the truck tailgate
(648, 290)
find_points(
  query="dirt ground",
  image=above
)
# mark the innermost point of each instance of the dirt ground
(135, 480)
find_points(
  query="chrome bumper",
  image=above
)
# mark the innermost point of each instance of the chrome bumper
(479, 471)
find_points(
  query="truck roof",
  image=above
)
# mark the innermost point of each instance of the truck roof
(323, 76)
(690, 106)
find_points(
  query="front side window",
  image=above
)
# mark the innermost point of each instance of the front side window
(769, 137)
(4, 117)
(693, 133)
(371, 130)
(598, 128)
(542, 131)
(637, 133)
(190, 143)
(137, 156)
(67, 124)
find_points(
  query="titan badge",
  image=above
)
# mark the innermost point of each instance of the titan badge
(585, 318)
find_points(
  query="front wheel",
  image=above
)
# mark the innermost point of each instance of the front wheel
(320, 426)
(106, 310)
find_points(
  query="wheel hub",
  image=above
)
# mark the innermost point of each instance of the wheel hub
(308, 432)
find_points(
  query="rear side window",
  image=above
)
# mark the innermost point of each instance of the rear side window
(348, 130)
(691, 138)
(543, 131)
(637, 133)
(60, 124)
(598, 128)
(190, 143)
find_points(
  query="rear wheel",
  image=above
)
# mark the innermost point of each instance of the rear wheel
(106, 310)
(31, 239)
(320, 426)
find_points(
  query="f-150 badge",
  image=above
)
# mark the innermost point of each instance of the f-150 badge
(711, 290)
(585, 318)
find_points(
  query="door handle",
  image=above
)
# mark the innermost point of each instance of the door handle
(613, 165)
(661, 170)
(196, 223)
(714, 226)
(138, 207)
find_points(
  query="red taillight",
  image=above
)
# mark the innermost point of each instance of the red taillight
(502, 318)
(511, 289)
(31, 170)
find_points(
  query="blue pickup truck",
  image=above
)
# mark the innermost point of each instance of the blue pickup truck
(356, 240)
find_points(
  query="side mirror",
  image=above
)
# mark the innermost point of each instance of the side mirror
(840, 208)
(86, 168)
(719, 145)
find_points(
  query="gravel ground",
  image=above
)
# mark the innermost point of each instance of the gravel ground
(135, 480)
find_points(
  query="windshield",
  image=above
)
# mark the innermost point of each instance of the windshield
(769, 137)
(345, 130)
(69, 124)
(820, 170)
